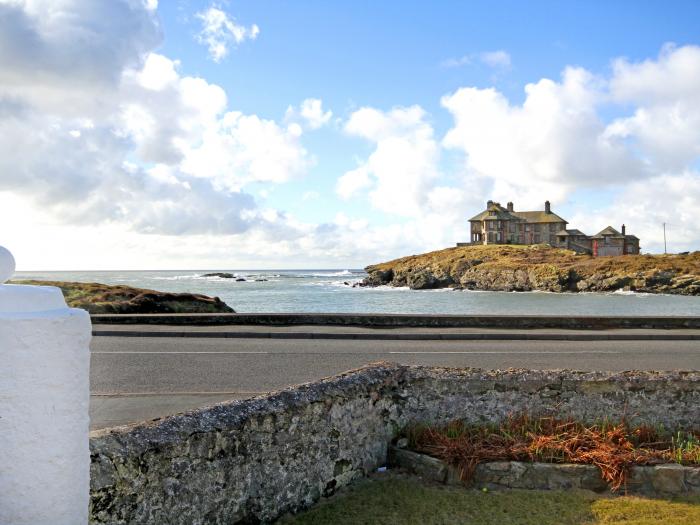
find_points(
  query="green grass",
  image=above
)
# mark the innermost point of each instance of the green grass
(408, 501)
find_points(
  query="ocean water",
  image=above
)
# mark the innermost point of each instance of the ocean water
(327, 291)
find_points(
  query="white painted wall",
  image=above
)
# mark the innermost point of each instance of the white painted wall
(44, 400)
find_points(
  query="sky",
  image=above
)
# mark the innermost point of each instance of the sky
(137, 134)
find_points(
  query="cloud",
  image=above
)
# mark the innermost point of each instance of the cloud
(645, 205)
(665, 127)
(310, 113)
(403, 163)
(66, 57)
(129, 140)
(220, 30)
(498, 59)
(550, 145)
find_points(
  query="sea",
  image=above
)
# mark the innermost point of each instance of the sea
(331, 291)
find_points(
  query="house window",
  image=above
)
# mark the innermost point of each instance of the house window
(498, 237)
(527, 227)
(537, 228)
(511, 227)
(537, 239)
(499, 225)
(553, 228)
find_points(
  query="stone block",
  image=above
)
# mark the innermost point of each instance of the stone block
(669, 479)
(420, 464)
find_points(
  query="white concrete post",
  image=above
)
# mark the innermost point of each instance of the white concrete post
(44, 399)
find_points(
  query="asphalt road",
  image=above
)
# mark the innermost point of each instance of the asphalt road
(133, 379)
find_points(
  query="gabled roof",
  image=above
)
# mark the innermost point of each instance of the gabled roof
(573, 232)
(495, 212)
(608, 232)
(539, 216)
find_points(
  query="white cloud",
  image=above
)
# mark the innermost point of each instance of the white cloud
(403, 164)
(310, 112)
(142, 146)
(646, 204)
(498, 59)
(220, 30)
(666, 123)
(551, 144)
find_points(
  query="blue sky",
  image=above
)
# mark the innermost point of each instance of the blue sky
(386, 54)
(337, 134)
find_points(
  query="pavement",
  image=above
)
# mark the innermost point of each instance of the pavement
(145, 377)
(388, 333)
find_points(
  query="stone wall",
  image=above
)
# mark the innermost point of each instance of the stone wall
(568, 322)
(650, 480)
(253, 460)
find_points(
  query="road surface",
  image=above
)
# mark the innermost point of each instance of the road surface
(137, 378)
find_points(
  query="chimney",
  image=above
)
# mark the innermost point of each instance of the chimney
(623, 229)
(547, 207)
(510, 206)
(489, 204)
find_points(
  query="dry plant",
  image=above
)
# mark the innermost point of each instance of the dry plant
(612, 447)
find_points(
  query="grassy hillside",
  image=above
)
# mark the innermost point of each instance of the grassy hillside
(99, 298)
(539, 267)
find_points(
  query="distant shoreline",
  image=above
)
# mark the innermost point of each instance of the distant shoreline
(512, 268)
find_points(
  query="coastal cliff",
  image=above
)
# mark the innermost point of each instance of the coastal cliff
(99, 298)
(539, 267)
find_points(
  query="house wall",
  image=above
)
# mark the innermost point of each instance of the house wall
(608, 247)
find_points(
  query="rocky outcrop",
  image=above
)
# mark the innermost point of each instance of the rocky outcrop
(99, 298)
(527, 268)
(221, 275)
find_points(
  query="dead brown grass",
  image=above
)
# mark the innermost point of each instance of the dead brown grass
(613, 448)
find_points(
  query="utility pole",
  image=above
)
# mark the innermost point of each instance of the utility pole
(664, 238)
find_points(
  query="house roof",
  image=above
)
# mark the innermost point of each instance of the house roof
(539, 216)
(495, 211)
(608, 232)
(573, 232)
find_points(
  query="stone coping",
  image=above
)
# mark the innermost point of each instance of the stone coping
(381, 374)
(406, 320)
(670, 479)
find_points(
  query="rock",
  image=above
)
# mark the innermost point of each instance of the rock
(222, 275)
(99, 298)
(519, 268)
(260, 280)
(378, 277)
(668, 478)
(240, 280)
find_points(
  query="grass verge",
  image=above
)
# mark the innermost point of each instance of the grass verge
(408, 501)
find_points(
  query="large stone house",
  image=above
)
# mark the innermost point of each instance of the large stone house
(499, 225)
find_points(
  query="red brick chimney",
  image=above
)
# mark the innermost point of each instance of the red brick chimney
(547, 207)
(510, 206)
